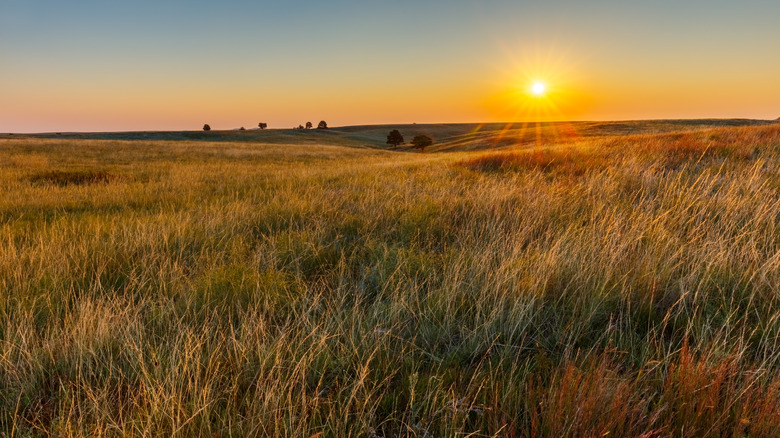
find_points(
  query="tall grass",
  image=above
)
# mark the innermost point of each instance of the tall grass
(621, 287)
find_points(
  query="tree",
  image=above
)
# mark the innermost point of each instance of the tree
(395, 138)
(309, 125)
(322, 125)
(299, 127)
(421, 141)
(262, 125)
(206, 127)
(242, 129)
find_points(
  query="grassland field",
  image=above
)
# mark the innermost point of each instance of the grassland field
(560, 280)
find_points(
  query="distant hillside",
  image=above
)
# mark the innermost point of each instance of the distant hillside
(447, 137)
(467, 137)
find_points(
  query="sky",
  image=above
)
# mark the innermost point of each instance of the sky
(110, 65)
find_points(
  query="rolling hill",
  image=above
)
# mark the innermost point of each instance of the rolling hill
(448, 136)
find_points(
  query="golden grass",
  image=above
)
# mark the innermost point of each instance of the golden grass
(79, 177)
(610, 286)
(562, 160)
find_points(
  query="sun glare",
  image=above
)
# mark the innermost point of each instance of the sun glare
(540, 86)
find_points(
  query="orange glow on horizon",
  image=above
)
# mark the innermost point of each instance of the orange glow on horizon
(90, 67)
(539, 86)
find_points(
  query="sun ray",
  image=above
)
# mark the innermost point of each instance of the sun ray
(539, 87)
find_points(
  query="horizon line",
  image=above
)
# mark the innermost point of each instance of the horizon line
(395, 124)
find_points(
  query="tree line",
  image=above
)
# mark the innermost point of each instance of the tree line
(321, 125)
(263, 125)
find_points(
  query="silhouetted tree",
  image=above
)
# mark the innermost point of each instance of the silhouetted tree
(309, 125)
(206, 127)
(242, 129)
(262, 125)
(322, 125)
(394, 138)
(300, 127)
(421, 141)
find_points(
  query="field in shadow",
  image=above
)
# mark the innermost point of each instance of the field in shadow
(447, 137)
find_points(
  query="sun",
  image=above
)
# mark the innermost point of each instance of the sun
(538, 88)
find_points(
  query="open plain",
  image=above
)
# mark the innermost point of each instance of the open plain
(585, 279)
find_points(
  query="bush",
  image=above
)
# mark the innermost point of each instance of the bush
(394, 138)
(421, 141)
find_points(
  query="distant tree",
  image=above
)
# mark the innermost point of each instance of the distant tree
(322, 125)
(262, 125)
(394, 138)
(300, 127)
(242, 129)
(309, 125)
(206, 127)
(421, 141)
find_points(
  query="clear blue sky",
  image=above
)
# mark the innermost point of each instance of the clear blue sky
(111, 65)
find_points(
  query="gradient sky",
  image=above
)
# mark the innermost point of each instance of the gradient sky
(109, 65)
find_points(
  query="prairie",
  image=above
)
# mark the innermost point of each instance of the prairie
(617, 279)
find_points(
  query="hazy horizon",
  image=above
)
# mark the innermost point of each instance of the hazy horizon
(173, 65)
(504, 124)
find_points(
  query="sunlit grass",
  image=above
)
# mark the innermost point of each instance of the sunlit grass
(621, 286)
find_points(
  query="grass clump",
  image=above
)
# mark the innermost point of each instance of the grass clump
(73, 177)
(561, 161)
(675, 149)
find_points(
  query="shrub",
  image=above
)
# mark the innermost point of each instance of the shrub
(394, 138)
(421, 141)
